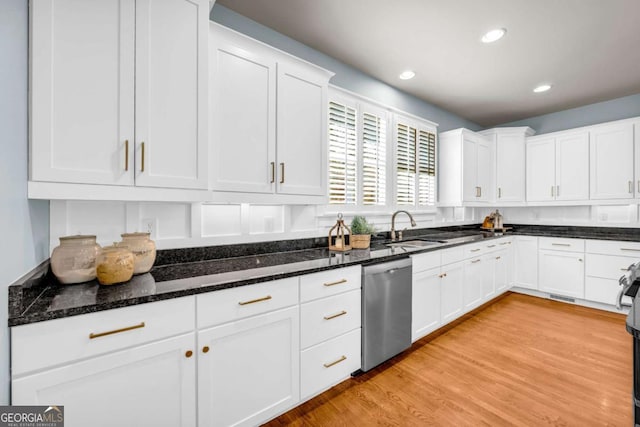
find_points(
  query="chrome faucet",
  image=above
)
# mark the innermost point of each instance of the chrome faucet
(393, 225)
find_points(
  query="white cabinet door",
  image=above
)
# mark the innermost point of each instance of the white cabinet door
(470, 189)
(501, 262)
(562, 273)
(572, 166)
(149, 385)
(301, 131)
(541, 172)
(82, 91)
(510, 168)
(485, 169)
(425, 302)
(451, 299)
(243, 101)
(488, 276)
(611, 150)
(172, 93)
(473, 283)
(526, 262)
(250, 371)
(636, 149)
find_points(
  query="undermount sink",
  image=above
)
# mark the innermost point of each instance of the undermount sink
(413, 244)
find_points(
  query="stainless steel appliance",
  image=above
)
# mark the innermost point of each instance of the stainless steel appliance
(630, 283)
(386, 311)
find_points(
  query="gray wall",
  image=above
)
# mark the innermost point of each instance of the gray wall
(24, 224)
(615, 109)
(346, 76)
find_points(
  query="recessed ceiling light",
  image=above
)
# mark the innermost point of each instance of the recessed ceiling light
(542, 88)
(494, 35)
(406, 75)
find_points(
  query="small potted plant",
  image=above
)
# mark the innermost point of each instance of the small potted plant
(361, 232)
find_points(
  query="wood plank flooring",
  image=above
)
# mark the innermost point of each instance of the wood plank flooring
(521, 361)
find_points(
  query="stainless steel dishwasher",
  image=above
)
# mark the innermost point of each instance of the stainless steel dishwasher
(386, 311)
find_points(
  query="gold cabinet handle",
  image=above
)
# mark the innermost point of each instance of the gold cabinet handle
(188, 354)
(333, 316)
(498, 257)
(126, 155)
(205, 349)
(475, 250)
(491, 246)
(560, 244)
(474, 261)
(335, 283)
(505, 243)
(342, 359)
(630, 249)
(115, 331)
(142, 158)
(268, 297)
(441, 275)
(499, 192)
(273, 172)
(281, 173)
(630, 187)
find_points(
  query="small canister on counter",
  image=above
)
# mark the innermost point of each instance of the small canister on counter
(114, 265)
(74, 260)
(143, 248)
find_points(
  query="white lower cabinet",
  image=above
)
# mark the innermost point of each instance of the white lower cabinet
(562, 273)
(525, 256)
(502, 270)
(149, 385)
(451, 293)
(248, 370)
(330, 362)
(473, 282)
(426, 302)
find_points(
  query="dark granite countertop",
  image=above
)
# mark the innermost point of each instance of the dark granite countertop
(182, 272)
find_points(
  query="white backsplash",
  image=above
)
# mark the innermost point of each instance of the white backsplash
(177, 225)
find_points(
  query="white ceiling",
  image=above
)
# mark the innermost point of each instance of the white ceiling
(589, 50)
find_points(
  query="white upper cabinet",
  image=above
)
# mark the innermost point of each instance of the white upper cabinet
(171, 93)
(89, 61)
(302, 129)
(611, 149)
(636, 149)
(558, 167)
(243, 116)
(268, 121)
(510, 162)
(82, 91)
(466, 168)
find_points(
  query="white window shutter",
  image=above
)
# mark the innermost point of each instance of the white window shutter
(342, 154)
(374, 141)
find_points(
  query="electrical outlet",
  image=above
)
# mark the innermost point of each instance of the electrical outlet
(150, 225)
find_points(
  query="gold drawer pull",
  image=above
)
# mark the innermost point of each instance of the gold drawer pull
(115, 331)
(505, 243)
(188, 354)
(498, 257)
(268, 297)
(342, 359)
(205, 349)
(273, 172)
(474, 261)
(475, 250)
(560, 244)
(630, 249)
(333, 316)
(336, 283)
(126, 155)
(491, 246)
(281, 173)
(142, 160)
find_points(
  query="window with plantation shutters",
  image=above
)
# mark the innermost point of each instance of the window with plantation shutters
(342, 154)
(415, 166)
(374, 141)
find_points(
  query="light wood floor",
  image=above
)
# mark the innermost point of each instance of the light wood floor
(520, 361)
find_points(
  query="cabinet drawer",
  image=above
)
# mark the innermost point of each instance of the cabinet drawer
(326, 283)
(559, 244)
(326, 364)
(427, 261)
(608, 267)
(236, 303)
(449, 256)
(603, 290)
(60, 341)
(474, 250)
(329, 317)
(630, 249)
